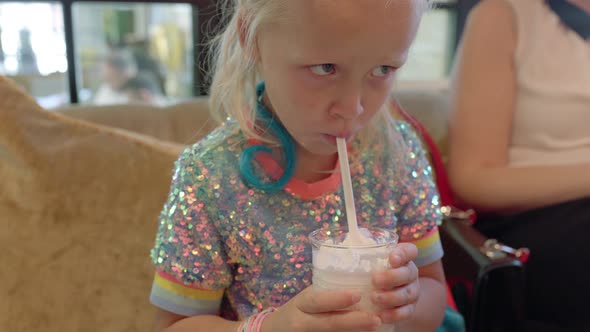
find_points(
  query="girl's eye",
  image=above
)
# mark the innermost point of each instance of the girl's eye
(382, 71)
(323, 69)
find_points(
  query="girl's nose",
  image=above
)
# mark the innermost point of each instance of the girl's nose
(348, 107)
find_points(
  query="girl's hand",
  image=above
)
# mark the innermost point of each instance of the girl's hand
(319, 311)
(397, 289)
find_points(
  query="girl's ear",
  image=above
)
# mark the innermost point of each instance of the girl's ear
(243, 32)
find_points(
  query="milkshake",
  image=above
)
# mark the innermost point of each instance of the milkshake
(347, 258)
(339, 264)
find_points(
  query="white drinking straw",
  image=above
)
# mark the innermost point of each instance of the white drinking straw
(353, 230)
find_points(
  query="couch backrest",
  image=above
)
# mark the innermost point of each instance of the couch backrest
(181, 123)
(185, 122)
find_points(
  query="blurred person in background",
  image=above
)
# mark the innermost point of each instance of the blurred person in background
(119, 67)
(144, 89)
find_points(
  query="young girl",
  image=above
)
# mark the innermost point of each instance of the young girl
(291, 76)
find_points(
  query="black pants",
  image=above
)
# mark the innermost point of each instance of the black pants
(558, 271)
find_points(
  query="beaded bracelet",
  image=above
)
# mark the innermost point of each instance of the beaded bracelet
(254, 322)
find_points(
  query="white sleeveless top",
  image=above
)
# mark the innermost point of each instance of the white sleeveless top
(552, 115)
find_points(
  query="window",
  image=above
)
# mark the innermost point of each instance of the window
(432, 53)
(133, 52)
(33, 50)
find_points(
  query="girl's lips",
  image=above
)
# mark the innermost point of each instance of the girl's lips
(332, 138)
(329, 138)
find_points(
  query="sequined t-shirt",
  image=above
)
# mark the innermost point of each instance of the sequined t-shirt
(225, 248)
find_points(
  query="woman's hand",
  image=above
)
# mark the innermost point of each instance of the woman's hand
(397, 289)
(319, 311)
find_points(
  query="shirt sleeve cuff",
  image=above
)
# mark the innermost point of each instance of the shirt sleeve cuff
(429, 248)
(184, 300)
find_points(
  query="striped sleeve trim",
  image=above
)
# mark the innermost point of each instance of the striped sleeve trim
(429, 248)
(183, 300)
(170, 284)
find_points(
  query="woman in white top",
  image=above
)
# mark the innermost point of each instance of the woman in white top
(520, 145)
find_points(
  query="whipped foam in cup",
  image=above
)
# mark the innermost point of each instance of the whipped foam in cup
(339, 264)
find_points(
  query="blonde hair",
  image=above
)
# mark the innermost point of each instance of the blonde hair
(235, 72)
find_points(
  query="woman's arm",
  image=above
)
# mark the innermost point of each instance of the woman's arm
(480, 128)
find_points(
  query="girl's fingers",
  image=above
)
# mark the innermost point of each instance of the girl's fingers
(391, 316)
(397, 297)
(396, 277)
(329, 311)
(402, 254)
(315, 302)
(352, 321)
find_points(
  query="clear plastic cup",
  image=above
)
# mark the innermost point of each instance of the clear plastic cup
(338, 266)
